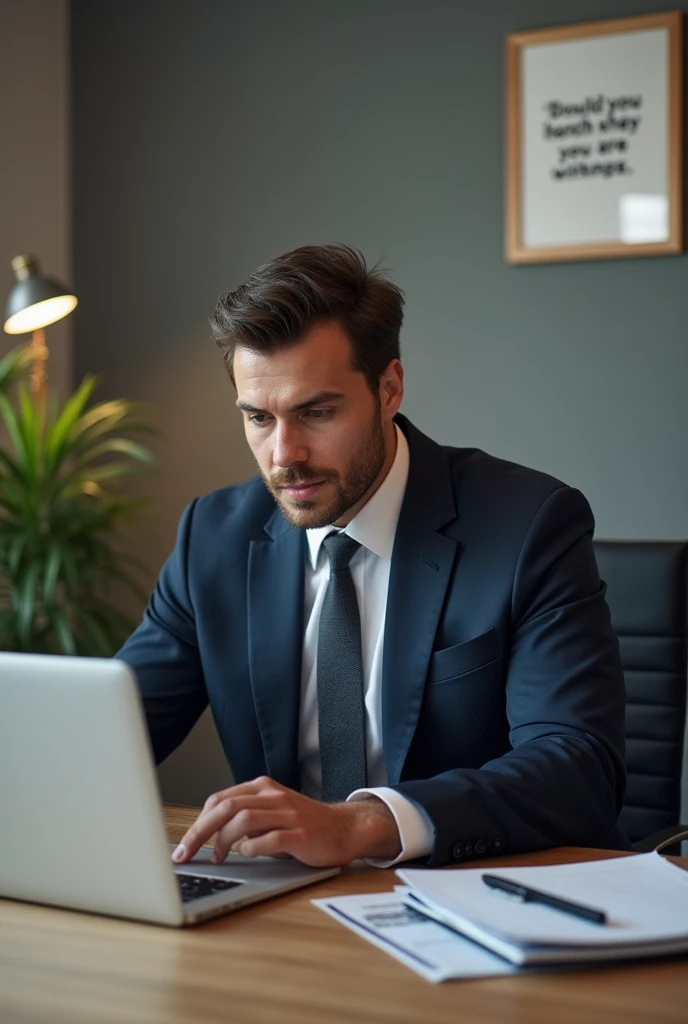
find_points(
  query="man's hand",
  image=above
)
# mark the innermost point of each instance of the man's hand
(266, 819)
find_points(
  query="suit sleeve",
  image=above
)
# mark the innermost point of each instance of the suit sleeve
(563, 781)
(163, 652)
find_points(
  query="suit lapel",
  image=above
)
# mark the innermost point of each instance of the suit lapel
(422, 562)
(275, 636)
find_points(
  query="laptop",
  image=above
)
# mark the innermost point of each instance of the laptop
(81, 822)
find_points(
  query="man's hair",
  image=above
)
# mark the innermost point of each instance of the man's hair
(284, 298)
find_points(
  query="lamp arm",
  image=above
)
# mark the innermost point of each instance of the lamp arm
(40, 353)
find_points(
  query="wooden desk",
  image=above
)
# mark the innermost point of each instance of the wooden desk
(284, 962)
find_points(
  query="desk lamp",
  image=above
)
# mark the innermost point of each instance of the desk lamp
(34, 302)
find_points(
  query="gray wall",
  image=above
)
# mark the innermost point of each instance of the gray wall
(34, 156)
(210, 137)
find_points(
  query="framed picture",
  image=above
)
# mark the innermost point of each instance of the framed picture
(594, 140)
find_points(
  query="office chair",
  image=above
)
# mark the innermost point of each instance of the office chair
(647, 592)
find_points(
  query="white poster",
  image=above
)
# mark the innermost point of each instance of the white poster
(595, 144)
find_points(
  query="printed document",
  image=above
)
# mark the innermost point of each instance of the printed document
(430, 949)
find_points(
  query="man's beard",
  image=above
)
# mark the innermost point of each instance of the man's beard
(361, 472)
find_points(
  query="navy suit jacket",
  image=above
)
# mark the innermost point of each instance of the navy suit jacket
(502, 690)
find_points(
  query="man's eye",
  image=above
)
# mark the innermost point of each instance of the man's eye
(319, 414)
(259, 418)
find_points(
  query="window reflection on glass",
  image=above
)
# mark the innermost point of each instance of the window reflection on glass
(643, 218)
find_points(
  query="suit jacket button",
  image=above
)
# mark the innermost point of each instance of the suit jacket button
(457, 851)
(496, 844)
(468, 849)
(480, 846)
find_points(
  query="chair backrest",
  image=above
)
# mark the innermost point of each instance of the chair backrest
(647, 592)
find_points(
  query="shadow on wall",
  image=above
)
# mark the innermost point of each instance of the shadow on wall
(202, 446)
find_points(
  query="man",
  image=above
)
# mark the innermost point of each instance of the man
(411, 655)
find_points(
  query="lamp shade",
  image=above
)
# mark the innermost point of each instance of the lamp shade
(35, 301)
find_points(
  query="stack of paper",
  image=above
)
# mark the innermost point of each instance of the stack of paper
(430, 949)
(450, 924)
(645, 899)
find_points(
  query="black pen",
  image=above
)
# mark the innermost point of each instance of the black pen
(528, 895)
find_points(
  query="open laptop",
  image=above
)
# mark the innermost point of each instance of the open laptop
(81, 824)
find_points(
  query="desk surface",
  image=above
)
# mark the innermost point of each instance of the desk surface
(284, 962)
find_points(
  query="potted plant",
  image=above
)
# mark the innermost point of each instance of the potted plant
(62, 508)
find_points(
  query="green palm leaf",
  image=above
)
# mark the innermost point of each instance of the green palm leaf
(114, 445)
(24, 600)
(67, 421)
(62, 504)
(62, 630)
(14, 365)
(11, 421)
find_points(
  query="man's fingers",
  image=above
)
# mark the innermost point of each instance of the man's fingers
(211, 821)
(249, 823)
(271, 844)
(258, 785)
(242, 788)
(205, 825)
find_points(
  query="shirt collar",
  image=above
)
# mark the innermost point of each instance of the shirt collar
(376, 523)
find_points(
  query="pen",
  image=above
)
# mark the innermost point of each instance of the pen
(528, 895)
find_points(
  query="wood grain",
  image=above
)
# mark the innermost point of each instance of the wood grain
(178, 819)
(284, 962)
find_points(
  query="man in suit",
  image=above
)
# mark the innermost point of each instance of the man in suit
(405, 647)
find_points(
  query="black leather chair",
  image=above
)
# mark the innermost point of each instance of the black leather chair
(647, 593)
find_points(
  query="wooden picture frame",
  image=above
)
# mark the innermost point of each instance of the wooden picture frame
(594, 140)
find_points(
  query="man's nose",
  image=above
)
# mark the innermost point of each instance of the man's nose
(289, 447)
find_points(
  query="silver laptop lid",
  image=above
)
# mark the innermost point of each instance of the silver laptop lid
(79, 806)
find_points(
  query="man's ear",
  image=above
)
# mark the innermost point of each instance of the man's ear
(391, 390)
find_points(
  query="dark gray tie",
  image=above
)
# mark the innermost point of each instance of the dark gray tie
(341, 707)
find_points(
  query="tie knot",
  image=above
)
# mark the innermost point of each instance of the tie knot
(340, 550)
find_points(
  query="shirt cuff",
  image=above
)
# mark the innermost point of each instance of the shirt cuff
(416, 831)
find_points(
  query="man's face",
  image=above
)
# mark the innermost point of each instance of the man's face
(323, 442)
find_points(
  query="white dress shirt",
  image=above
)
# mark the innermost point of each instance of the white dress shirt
(374, 528)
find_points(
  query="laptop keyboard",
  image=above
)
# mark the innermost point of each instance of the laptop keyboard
(193, 887)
